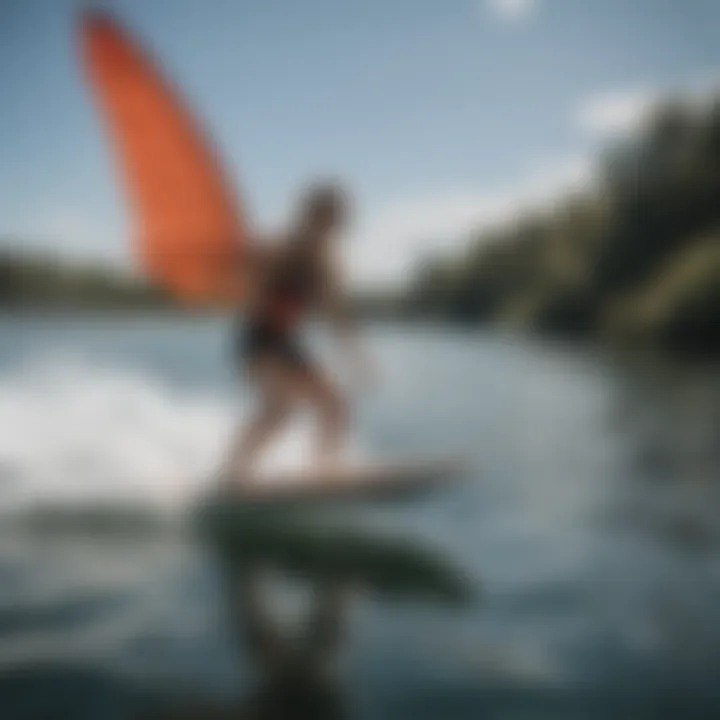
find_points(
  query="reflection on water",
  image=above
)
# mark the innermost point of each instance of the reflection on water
(670, 486)
(671, 414)
(296, 669)
(591, 526)
(296, 673)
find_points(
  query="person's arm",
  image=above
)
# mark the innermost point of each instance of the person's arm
(343, 324)
(252, 264)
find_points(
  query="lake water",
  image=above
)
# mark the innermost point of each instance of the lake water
(588, 531)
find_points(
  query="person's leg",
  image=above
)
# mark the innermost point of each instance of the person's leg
(275, 404)
(286, 377)
(265, 424)
(307, 382)
(289, 387)
(333, 416)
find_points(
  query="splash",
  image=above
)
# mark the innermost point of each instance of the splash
(76, 433)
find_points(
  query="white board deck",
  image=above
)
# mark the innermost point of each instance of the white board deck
(394, 479)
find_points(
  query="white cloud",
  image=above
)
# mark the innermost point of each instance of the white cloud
(616, 113)
(382, 251)
(386, 248)
(622, 112)
(512, 10)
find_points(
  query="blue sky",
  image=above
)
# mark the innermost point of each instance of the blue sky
(439, 115)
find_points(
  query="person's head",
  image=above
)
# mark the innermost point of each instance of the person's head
(323, 210)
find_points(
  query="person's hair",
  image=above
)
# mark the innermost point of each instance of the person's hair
(325, 198)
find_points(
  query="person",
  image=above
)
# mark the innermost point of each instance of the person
(286, 282)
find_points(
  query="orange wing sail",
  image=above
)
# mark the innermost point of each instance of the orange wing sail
(188, 229)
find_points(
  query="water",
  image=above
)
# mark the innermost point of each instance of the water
(589, 534)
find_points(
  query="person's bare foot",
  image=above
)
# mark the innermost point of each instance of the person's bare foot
(328, 467)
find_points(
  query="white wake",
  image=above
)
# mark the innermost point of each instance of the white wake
(76, 433)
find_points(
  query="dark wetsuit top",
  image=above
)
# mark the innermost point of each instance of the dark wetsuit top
(271, 329)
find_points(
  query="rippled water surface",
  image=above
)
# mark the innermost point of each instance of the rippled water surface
(587, 536)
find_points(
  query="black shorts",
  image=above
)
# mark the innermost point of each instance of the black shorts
(259, 340)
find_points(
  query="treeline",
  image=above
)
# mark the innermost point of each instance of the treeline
(37, 281)
(634, 259)
(637, 258)
(40, 282)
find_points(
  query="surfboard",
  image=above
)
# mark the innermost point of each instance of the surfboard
(398, 480)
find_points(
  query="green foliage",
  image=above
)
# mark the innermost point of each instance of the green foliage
(635, 259)
(647, 236)
(41, 282)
